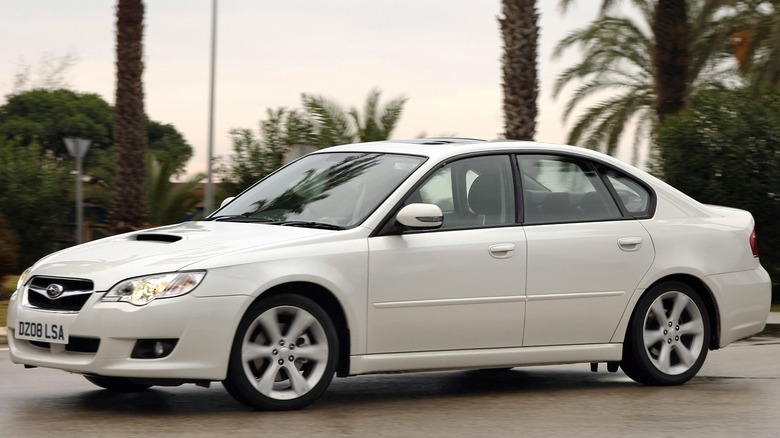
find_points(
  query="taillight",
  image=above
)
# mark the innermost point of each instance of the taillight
(753, 244)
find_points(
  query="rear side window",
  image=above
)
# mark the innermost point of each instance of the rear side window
(561, 189)
(634, 198)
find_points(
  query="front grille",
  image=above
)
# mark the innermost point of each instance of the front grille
(75, 344)
(75, 292)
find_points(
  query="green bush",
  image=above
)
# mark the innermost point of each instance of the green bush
(9, 249)
(7, 287)
(34, 196)
(3, 312)
(725, 149)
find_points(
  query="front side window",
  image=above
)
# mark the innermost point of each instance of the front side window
(471, 192)
(339, 189)
(561, 189)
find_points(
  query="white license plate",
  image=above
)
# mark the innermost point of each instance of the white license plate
(42, 332)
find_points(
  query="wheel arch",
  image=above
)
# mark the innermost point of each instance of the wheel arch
(328, 301)
(706, 295)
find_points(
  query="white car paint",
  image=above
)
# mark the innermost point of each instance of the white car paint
(580, 279)
(442, 301)
(483, 297)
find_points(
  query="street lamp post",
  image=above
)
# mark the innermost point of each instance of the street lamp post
(77, 148)
(208, 206)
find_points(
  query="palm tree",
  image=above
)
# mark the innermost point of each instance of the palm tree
(129, 207)
(670, 57)
(169, 202)
(753, 28)
(520, 31)
(333, 125)
(672, 39)
(617, 64)
(377, 124)
(329, 120)
(321, 123)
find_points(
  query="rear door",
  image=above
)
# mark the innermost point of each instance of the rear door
(586, 252)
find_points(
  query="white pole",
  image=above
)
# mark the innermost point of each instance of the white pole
(209, 195)
(78, 147)
(79, 202)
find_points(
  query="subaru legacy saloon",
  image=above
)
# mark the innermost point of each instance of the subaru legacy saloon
(403, 256)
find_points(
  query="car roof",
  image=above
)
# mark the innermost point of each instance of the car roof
(443, 147)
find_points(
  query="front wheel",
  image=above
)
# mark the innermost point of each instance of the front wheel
(668, 336)
(284, 354)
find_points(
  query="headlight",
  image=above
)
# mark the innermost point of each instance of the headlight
(143, 290)
(22, 279)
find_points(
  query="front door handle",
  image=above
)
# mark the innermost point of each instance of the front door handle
(502, 250)
(630, 243)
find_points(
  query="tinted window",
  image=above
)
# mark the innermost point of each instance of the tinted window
(559, 189)
(471, 192)
(634, 197)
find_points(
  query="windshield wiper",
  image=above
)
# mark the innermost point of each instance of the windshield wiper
(240, 218)
(266, 220)
(311, 224)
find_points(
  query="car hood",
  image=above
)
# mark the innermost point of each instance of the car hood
(164, 249)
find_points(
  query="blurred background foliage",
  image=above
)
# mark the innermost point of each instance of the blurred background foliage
(320, 122)
(36, 180)
(34, 193)
(724, 149)
(720, 146)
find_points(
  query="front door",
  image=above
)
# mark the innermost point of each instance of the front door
(459, 287)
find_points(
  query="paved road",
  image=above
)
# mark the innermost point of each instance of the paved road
(737, 393)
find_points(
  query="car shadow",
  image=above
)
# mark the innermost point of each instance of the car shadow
(476, 383)
(354, 393)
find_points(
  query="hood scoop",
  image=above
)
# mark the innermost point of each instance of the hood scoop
(156, 237)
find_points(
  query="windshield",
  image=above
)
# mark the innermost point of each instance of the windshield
(339, 189)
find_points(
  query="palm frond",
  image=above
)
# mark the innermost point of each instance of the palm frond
(603, 124)
(168, 202)
(391, 114)
(616, 62)
(333, 123)
(590, 88)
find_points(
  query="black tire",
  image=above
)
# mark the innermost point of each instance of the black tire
(668, 336)
(117, 384)
(273, 368)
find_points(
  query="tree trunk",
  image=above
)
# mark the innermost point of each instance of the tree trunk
(129, 201)
(520, 30)
(671, 57)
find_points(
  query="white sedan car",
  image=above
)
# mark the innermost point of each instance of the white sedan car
(403, 256)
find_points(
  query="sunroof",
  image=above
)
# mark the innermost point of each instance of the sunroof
(442, 140)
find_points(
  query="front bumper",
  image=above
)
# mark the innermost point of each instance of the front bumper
(204, 328)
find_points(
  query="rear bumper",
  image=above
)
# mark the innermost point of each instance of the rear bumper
(743, 300)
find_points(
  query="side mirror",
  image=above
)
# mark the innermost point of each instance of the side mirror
(226, 201)
(420, 216)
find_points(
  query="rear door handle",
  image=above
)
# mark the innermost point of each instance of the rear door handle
(630, 243)
(502, 250)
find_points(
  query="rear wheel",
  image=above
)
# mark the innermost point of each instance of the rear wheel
(117, 384)
(284, 354)
(668, 336)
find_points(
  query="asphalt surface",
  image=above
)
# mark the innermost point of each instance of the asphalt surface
(735, 394)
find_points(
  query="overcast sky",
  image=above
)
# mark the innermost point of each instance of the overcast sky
(444, 55)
